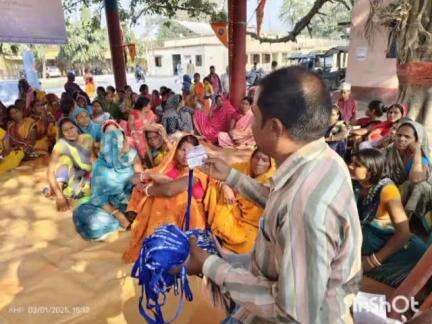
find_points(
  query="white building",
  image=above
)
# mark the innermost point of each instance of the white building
(205, 50)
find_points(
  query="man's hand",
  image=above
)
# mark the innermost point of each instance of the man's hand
(197, 257)
(216, 168)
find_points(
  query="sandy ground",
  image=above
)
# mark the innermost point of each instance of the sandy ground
(49, 274)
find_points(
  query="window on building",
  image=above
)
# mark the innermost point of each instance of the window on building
(256, 58)
(266, 58)
(198, 60)
(158, 61)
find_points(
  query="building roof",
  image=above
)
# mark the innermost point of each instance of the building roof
(199, 28)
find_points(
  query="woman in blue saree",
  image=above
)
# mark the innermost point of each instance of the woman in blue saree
(389, 249)
(83, 119)
(111, 183)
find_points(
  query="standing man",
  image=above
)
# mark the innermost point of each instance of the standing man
(306, 263)
(190, 69)
(346, 104)
(215, 81)
(70, 86)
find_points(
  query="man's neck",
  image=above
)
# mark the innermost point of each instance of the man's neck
(281, 156)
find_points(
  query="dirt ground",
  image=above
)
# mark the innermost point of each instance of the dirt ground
(49, 274)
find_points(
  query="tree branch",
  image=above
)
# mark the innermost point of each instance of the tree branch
(298, 27)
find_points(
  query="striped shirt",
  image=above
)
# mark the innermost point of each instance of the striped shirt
(306, 263)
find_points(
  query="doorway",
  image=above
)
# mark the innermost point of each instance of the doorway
(176, 59)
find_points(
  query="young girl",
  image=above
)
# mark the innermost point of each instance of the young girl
(337, 133)
(389, 249)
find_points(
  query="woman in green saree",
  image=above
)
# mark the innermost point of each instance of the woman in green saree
(70, 165)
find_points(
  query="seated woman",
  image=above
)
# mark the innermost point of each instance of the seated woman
(373, 113)
(53, 105)
(337, 133)
(99, 114)
(45, 127)
(164, 199)
(158, 143)
(70, 165)
(21, 133)
(221, 119)
(111, 186)
(381, 131)
(139, 117)
(9, 159)
(201, 94)
(389, 249)
(240, 136)
(409, 166)
(82, 102)
(82, 118)
(234, 219)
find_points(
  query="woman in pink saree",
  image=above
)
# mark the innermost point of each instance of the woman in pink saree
(240, 136)
(221, 118)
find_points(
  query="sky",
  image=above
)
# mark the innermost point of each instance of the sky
(272, 22)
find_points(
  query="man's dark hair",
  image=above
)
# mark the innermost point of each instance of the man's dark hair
(110, 88)
(375, 161)
(299, 99)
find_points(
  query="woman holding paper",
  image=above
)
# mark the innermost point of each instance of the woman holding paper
(233, 218)
(161, 197)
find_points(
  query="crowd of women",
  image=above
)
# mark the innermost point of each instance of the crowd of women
(119, 162)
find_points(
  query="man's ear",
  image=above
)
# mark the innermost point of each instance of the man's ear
(276, 127)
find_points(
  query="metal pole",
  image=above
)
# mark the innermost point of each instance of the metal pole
(237, 12)
(115, 39)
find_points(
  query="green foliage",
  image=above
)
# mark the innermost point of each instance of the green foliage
(220, 16)
(323, 24)
(170, 29)
(87, 42)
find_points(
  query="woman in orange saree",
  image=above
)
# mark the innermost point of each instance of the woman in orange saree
(233, 218)
(198, 90)
(163, 198)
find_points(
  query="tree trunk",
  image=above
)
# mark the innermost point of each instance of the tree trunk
(414, 47)
(415, 90)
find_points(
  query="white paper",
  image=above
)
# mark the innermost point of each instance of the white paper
(196, 156)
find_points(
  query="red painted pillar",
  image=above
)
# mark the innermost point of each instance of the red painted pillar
(237, 12)
(115, 39)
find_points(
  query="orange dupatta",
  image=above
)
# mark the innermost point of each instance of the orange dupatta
(236, 225)
(153, 212)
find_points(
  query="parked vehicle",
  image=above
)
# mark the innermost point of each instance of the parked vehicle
(53, 72)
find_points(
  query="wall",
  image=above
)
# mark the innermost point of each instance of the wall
(371, 74)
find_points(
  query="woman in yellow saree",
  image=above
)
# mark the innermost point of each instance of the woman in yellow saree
(45, 127)
(21, 133)
(234, 219)
(162, 199)
(8, 159)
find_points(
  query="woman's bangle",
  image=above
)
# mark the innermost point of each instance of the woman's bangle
(375, 260)
(370, 262)
(146, 190)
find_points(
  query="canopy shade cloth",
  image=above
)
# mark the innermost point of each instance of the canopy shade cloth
(30, 21)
